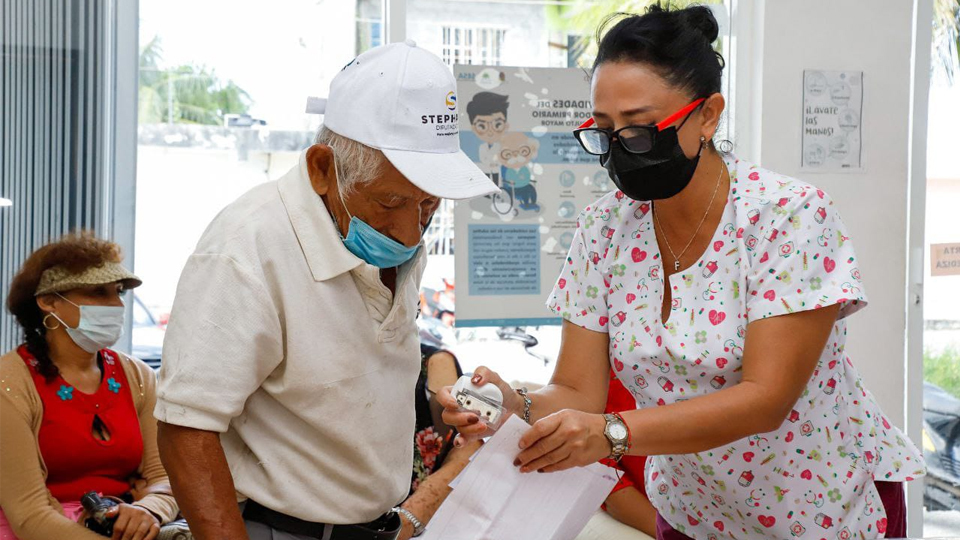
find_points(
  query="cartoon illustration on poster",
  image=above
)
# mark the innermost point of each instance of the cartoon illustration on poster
(517, 125)
(832, 120)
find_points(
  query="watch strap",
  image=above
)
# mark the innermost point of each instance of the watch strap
(618, 447)
(418, 526)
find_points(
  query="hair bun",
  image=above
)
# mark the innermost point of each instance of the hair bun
(702, 19)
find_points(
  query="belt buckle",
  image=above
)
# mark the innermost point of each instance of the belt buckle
(386, 526)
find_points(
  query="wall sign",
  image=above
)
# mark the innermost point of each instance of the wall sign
(945, 260)
(517, 125)
(832, 121)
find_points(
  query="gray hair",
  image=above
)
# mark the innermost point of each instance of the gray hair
(357, 163)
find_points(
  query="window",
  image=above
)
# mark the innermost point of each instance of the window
(141, 317)
(497, 32)
(941, 312)
(465, 45)
(222, 109)
(369, 25)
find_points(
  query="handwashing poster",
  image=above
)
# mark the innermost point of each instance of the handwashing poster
(832, 121)
(517, 125)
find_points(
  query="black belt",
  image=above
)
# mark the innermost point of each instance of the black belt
(386, 527)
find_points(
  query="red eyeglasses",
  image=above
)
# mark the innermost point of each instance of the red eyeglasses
(634, 139)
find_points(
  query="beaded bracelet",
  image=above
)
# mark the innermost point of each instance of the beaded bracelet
(526, 403)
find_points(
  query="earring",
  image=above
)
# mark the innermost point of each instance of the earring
(703, 141)
(49, 315)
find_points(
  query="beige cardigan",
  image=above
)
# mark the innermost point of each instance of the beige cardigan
(30, 508)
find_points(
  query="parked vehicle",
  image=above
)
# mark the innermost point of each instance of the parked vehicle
(941, 448)
(148, 334)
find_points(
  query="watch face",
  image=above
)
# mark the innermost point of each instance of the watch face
(618, 432)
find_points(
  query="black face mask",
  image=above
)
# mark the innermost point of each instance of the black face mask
(661, 173)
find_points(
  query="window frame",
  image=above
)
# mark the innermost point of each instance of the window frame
(475, 49)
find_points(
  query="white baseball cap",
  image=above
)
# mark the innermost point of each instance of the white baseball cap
(402, 100)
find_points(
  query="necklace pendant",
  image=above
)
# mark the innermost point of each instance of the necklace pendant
(676, 266)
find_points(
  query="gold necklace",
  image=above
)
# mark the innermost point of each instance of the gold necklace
(656, 216)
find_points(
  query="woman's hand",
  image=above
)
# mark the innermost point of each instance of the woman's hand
(133, 523)
(564, 440)
(469, 425)
(138, 488)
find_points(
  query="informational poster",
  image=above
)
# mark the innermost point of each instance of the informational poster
(517, 125)
(832, 121)
(945, 260)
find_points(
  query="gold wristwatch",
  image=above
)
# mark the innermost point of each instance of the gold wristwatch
(618, 434)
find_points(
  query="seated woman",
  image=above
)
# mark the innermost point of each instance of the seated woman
(75, 415)
(627, 513)
(436, 462)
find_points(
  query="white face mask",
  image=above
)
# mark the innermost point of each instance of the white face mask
(100, 326)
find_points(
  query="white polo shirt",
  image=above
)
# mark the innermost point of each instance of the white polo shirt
(290, 346)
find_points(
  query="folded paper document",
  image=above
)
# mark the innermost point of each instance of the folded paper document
(492, 500)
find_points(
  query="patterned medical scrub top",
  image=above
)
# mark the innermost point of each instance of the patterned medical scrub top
(780, 248)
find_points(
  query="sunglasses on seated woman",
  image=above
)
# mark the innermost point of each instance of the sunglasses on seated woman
(634, 139)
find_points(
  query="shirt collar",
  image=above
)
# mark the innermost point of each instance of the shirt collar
(317, 234)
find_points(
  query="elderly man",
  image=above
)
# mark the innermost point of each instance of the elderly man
(292, 353)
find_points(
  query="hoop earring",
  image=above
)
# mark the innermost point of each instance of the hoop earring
(49, 315)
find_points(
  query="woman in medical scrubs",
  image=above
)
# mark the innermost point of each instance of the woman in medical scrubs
(718, 292)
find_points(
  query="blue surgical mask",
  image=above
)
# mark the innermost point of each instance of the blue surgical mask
(100, 327)
(371, 245)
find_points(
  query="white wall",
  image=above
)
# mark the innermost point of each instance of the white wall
(831, 34)
(876, 38)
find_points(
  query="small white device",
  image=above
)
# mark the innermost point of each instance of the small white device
(486, 401)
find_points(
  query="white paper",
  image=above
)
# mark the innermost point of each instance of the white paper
(492, 500)
(832, 121)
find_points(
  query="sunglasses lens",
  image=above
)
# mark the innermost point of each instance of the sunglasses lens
(637, 140)
(594, 141)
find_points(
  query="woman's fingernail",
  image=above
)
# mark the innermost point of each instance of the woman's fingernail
(476, 379)
(516, 462)
(457, 442)
(473, 420)
(540, 471)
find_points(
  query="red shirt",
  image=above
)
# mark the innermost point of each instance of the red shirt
(76, 461)
(620, 399)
